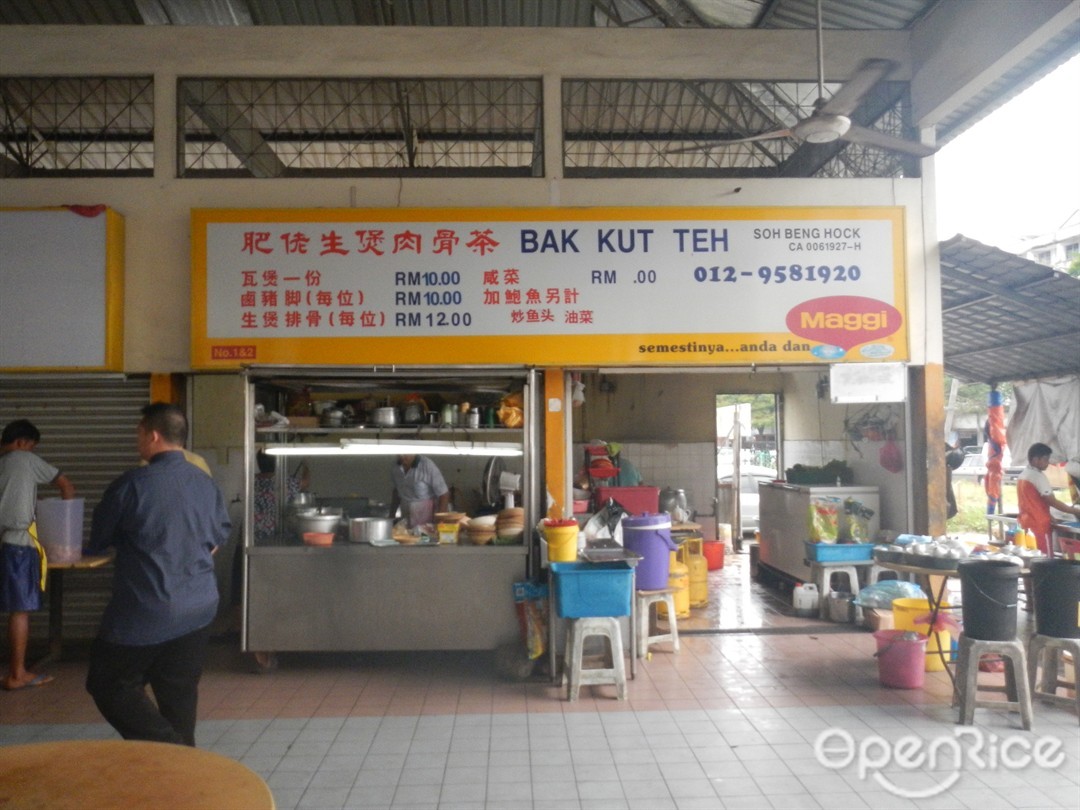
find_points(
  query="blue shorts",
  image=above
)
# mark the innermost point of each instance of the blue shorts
(20, 578)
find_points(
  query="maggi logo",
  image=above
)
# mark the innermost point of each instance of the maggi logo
(848, 321)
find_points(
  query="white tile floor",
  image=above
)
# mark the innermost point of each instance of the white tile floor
(730, 722)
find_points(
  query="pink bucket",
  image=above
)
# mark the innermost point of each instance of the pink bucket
(900, 662)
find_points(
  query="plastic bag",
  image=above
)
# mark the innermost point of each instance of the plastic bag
(532, 605)
(891, 457)
(825, 520)
(857, 521)
(880, 595)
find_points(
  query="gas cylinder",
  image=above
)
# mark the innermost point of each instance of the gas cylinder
(693, 557)
(679, 579)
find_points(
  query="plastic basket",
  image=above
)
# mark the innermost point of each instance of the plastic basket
(839, 552)
(1070, 547)
(592, 589)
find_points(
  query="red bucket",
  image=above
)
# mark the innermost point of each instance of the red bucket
(714, 554)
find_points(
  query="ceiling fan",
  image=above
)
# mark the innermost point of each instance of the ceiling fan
(830, 120)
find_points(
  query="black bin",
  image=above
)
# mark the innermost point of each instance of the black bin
(988, 592)
(1057, 597)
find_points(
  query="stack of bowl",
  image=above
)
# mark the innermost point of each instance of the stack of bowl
(481, 530)
(510, 526)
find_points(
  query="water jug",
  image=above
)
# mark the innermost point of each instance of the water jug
(805, 599)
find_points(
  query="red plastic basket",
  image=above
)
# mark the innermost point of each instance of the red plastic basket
(1070, 547)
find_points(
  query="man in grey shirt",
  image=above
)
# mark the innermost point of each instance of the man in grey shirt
(21, 575)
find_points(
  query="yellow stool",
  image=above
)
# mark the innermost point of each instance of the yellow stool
(643, 602)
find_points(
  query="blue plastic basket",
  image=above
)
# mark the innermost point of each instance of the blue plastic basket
(592, 589)
(839, 552)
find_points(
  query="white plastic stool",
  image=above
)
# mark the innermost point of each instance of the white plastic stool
(1016, 679)
(1046, 650)
(577, 631)
(876, 572)
(821, 573)
(644, 600)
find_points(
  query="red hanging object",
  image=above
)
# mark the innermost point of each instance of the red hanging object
(890, 456)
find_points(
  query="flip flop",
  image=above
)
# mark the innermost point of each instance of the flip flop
(38, 680)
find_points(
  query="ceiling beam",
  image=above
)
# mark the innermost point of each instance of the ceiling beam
(232, 128)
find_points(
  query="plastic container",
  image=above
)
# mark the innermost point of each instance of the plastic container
(806, 600)
(562, 542)
(448, 532)
(714, 554)
(905, 612)
(650, 536)
(900, 659)
(988, 590)
(838, 552)
(592, 589)
(1056, 585)
(60, 528)
(635, 500)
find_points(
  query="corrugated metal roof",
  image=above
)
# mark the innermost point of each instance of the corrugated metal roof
(858, 15)
(1006, 318)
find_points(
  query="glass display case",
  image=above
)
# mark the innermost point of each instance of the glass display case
(326, 440)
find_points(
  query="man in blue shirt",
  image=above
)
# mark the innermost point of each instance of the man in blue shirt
(165, 520)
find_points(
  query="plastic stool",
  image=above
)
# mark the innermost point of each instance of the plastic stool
(577, 632)
(1016, 679)
(822, 574)
(642, 610)
(877, 570)
(1046, 689)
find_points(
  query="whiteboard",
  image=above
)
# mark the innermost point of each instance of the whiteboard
(54, 278)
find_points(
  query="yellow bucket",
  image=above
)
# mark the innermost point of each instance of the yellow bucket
(562, 543)
(905, 612)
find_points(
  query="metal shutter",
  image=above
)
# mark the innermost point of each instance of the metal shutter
(87, 426)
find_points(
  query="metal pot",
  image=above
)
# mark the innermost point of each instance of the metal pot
(673, 501)
(370, 529)
(384, 417)
(413, 414)
(302, 500)
(332, 417)
(324, 519)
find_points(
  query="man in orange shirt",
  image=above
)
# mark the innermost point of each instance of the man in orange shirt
(1036, 496)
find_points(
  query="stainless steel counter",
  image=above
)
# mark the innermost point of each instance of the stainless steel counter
(355, 597)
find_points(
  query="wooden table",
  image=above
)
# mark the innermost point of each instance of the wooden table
(89, 774)
(56, 600)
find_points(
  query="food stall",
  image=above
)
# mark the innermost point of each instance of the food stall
(406, 591)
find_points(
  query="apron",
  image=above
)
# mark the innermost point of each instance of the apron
(1034, 514)
(32, 531)
(419, 512)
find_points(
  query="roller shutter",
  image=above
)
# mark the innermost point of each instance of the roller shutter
(87, 426)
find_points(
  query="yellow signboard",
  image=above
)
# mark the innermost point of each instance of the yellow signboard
(548, 287)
